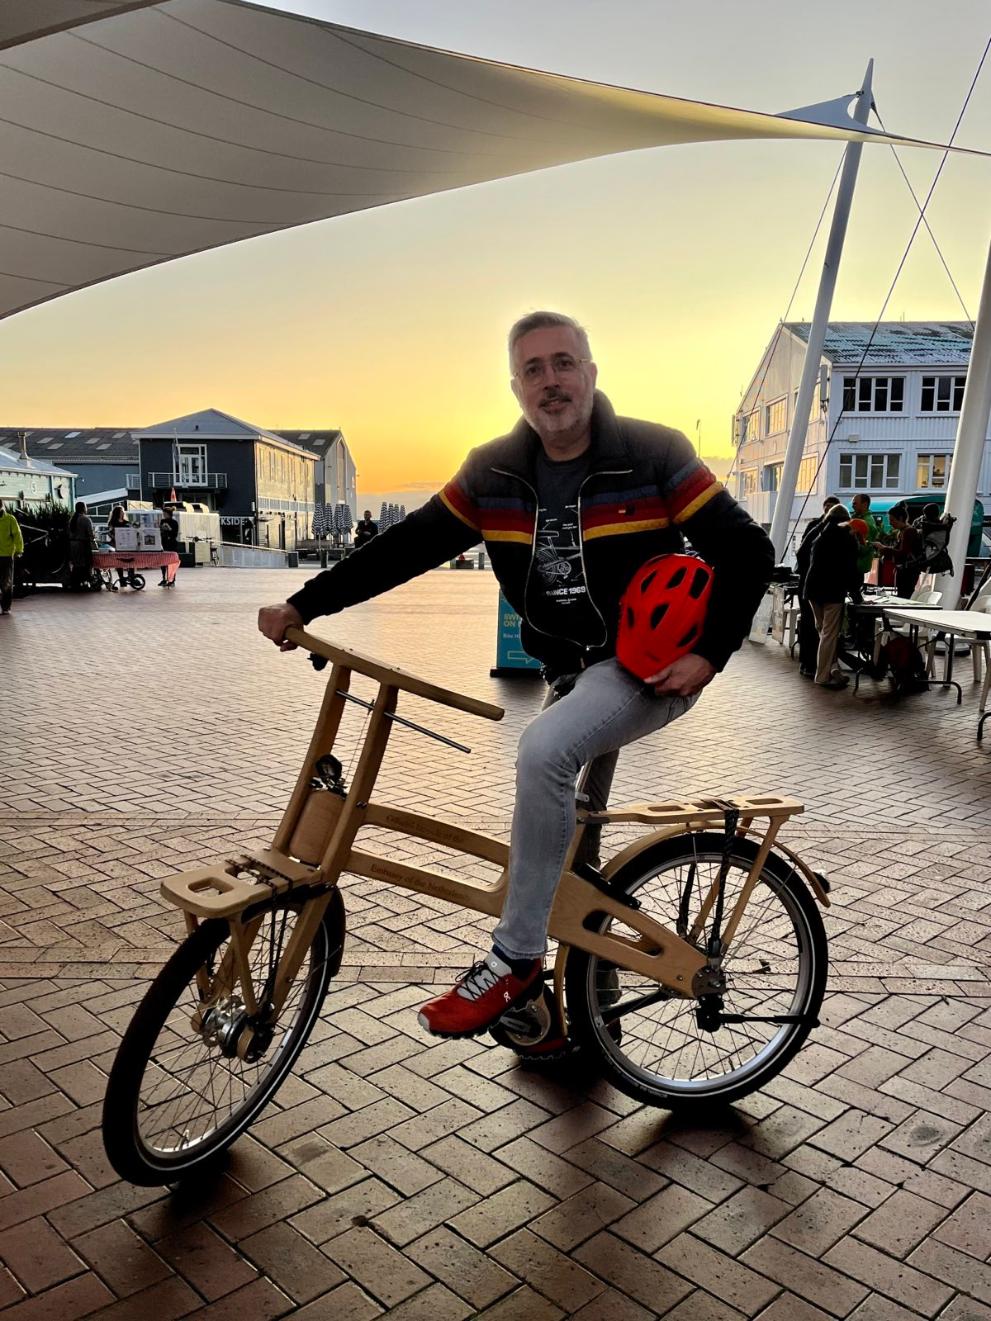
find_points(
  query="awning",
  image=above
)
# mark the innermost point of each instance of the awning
(168, 129)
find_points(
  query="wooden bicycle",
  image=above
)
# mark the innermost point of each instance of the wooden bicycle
(700, 1011)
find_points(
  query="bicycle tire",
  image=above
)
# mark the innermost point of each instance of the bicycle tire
(128, 1150)
(777, 881)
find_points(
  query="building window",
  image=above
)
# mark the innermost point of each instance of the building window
(752, 431)
(776, 417)
(192, 465)
(771, 476)
(932, 471)
(132, 481)
(806, 475)
(942, 394)
(875, 472)
(748, 481)
(873, 394)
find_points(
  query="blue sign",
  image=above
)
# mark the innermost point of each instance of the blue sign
(510, 656)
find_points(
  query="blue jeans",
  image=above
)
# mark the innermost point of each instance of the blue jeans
(606, 709)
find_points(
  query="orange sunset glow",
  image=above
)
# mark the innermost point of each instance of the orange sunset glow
(391, 324)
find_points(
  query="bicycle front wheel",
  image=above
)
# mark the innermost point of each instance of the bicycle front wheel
(775, 967)
(178, 1094)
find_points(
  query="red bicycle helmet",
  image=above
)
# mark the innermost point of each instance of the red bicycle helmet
(662, 613)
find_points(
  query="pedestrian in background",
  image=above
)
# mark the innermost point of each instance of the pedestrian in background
(118, 518)
(364, 529)
(808, 637)
(11, 545)
(82, 540)
(907, 551)
(833, 574)
(169, 531)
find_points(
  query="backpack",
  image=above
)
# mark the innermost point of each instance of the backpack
(935, 557)
(905, 665)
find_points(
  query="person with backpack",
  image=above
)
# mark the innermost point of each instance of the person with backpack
(833, 575)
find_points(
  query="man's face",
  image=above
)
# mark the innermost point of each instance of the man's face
(368, 515)
(553, 382)
(859, 505)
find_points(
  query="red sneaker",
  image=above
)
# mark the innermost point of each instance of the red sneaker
(482, 995)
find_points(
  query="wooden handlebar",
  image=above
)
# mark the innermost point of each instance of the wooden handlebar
(390, 675)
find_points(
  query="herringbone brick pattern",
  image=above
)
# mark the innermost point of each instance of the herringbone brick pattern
(400, 1176)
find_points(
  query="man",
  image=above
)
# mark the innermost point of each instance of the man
(860, 507)
(11, 545)
(570, 504)
(364, 530)
(832, 576)
(808, 637)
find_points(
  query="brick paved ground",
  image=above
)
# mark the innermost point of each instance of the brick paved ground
(399, 1176)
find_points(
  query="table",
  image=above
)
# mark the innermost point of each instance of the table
(973, 625)
(135, 560)
(874, 608)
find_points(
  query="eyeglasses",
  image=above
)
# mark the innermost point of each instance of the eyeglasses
(560, 364)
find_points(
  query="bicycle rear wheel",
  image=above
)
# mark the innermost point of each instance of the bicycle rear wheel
(179, 1095)
(776, 966)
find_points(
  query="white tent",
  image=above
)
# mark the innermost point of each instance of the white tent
(166, 129)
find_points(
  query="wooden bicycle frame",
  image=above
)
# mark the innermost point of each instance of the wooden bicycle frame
(315, 844)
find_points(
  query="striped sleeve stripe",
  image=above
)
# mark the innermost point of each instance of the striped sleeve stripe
(502, 534)
(459, 505)
(700, 500)
(616, 529)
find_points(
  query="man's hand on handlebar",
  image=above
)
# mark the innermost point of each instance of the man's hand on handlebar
(686, 676)
(273, 620)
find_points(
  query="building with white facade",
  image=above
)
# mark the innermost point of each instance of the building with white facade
(886, 427)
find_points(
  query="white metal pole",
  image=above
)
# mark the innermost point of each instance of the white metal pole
(968, 448)
(781, 517)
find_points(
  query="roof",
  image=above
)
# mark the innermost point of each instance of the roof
(74, 444)
(11, 461)
(942, 343)
(317, 441)
(210, 422)
(182, 126)
(120, 444)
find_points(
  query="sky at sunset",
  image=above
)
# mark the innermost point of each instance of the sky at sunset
(391, 323)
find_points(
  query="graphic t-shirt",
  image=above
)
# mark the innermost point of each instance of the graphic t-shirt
(558, 600)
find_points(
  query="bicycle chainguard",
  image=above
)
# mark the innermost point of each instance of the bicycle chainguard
(595, 878)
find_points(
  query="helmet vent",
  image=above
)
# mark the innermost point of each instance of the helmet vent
(658, 613)
(689, 637)
(700, 580)
(677, 578)
(645, 585)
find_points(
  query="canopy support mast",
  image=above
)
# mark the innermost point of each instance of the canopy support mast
(968, 448)
(781, 517)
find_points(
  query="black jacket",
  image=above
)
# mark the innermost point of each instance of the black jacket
(646, 490)
(803, 556)
(833, 572)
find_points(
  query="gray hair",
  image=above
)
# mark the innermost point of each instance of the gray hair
(538, 321)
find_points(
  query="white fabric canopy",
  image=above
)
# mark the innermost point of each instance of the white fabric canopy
(167, 129)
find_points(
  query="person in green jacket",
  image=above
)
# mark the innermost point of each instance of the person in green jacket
(11, 544)
(861, 508)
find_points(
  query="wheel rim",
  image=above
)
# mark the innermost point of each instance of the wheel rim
(193, 1096)
(769, 970)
